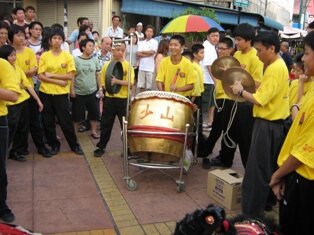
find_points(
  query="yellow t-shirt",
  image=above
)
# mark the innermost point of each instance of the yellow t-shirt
(167, 72)
(300, 139)
(60, 64)
(26, 60)
(199, 80)
(219, 91)
(273, 93)
(251, 63)
(123, 93)
(293, 90)
(8, 81)
(22, 79)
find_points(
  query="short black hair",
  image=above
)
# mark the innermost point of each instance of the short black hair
(95, 32)
(196, 48)
(82, 34)
(84, 42)
(32, 24)
(311, 25)
(56, 31)
(149, 26)
(30, 8)
(245, 31)
(15, 29)
(188, 54)
(118, 17)
(227, 40)
(5, 51)
(80, 20)
(178, 38)
(56, 25)
(268, 39)
(84, 27)
(212, 30)
(309, 40)
(4, 25)
(16, 9)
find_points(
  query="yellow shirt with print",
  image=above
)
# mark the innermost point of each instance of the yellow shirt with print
(123, 93)
(8, 81)
(167, 71)
(293, 90)
(199, 80)
(57, 64)
(26, 60)
(300, 139)
(272, 94)
(251, 63)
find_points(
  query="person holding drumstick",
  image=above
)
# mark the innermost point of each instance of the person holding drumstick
(176, 73)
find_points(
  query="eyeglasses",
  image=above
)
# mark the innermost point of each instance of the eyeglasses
(222, 48)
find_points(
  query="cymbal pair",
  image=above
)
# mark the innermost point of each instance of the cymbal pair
(228, 69)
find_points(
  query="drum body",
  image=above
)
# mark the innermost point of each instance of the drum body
(155, 117)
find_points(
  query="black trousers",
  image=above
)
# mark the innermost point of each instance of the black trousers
(201, 137)
(297, 206)
(18, 120)
(4, 135)
(112, 107)
(35, 124)
(57, 105)
(267, 139)
(240, 131)
(217, 128)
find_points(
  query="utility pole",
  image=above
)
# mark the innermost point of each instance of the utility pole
(65, 18)
(265, 9)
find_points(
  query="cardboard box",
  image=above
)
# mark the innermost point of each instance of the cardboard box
(225, 187)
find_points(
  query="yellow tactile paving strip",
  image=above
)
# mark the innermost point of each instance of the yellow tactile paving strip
(124, 219)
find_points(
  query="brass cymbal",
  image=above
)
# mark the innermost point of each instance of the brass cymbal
(223, 63)
(237, 74)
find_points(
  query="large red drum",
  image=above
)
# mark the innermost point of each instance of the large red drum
(156, 128)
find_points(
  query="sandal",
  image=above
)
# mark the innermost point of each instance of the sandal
(95, 136)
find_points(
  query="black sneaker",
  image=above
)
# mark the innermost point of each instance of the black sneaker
(99, 152)
(78, 150)
(7, 216)
(55, 150)
(17, 157)
(206, 163)
(45, 152)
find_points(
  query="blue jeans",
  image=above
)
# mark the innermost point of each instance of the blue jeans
(4, 133)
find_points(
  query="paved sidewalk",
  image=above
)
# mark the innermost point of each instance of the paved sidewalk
(69, 194)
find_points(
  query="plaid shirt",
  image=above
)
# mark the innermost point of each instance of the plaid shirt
(102, 59)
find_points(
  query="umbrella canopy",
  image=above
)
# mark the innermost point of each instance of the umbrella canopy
(190, 24)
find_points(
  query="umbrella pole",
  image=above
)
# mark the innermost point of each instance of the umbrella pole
(129, 78)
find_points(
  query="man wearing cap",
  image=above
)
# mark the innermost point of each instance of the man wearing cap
(139, 33)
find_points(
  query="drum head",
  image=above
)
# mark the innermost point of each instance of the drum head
(114, 69)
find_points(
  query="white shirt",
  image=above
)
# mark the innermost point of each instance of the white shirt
(148, 63)
(210, 56)
(118, 33)
(76, 52)
(140, 36)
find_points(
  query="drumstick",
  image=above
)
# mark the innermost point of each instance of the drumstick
(174, 80)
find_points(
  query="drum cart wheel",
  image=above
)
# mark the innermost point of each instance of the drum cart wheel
(131, 184)
(180, 186)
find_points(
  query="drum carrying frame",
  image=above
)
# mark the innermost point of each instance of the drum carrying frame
(135, 160)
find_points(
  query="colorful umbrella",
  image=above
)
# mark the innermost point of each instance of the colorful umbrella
(190, 23)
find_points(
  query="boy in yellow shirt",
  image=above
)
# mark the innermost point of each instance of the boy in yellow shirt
(241, 129)
(114, 104)
(9, 91)
(270, 109)
(176, 73)
(293, 182)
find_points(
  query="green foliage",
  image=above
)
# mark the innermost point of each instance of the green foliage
(202, 11)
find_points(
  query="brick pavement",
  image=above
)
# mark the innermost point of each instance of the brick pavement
(69, 194)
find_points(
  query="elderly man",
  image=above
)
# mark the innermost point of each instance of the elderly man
(285, 54)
